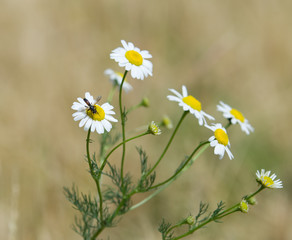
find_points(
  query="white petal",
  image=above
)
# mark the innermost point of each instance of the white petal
(184, 91)
(176, 93)
(173, 98)
(208, 116)
(83, 121)
(106, 125)
(219, 149)
(79, 116)
(108, 71)
(230, 155)
(93, 126)
(110, 118)
(88, 124)
(124, 44)
(213, 142)
(99, 127)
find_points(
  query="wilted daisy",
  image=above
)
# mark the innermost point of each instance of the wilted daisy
(116, 79)
(93, 115)
(133, 59)
(220, 141)
(266, 180)
(189, 103)
(154, 129)
(235, 116)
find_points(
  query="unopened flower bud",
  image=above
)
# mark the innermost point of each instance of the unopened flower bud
(190, 220)
(166, 122)
(252, 201)
(145, 102)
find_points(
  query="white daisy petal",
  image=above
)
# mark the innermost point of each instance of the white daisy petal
(110, 118)
(176, 93)
(83, 121)
(106, 124)
(184, 91)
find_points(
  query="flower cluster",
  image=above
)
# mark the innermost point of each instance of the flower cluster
(98, 118)
(95, 117)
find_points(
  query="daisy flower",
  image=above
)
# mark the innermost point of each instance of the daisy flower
(93, 115)
(133, 59)
(235, 116)
(189, 103)
(268, 181)
(220, 141)
(116, 79)
(154, 129)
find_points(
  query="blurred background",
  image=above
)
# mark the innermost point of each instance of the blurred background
(52, 52)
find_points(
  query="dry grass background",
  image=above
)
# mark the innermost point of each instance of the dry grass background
(53, 51)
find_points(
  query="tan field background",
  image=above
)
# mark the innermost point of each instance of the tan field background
(52, 51)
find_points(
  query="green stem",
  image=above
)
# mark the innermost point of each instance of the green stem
(184, 165)
(169, 142)
(228, 124)
(97, 233)
(105, 135)
(111, 93)
(94, 177)
(134, 107)
(117, 146)
(123, 128)
(167, 184)
(175, 226)
(224, 213)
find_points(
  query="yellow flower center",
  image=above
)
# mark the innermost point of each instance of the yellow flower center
(134, 57)
(243, 206)
(267, 181)
(238, 115)
(98, 115)
(221, 136)
(192, 102)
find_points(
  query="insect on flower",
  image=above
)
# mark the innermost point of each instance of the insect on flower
(91, 107)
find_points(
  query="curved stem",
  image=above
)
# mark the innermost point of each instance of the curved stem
(117, 146)
(94, 177)
(184, 165)
(111, 93)
(167, 184)
(168, 144)
(228, 124)
(123, 128)
(224, 213)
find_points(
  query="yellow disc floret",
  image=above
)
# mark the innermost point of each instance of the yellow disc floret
(98, 115)
(243, 206)
(134, 57)
(221, 136)
(238, 115)
(267, 181)
(192, 102)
